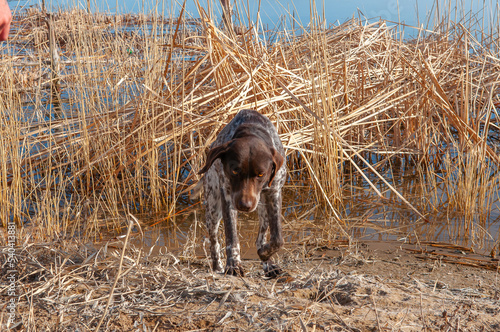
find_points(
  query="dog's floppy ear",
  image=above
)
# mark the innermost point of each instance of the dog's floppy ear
(213, 154)
(277, 163)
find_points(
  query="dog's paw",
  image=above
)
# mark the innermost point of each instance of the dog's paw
(217, 267)
(271, 270)
(234, 270)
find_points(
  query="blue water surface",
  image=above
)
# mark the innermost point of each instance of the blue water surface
(411, 12)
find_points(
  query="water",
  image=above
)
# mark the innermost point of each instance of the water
(410, 12)
(366, 217)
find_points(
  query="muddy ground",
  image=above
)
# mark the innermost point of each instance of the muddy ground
(370, 286)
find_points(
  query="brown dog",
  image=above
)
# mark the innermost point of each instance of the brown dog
(245, 170)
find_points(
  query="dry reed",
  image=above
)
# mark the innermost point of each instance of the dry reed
(138, 107)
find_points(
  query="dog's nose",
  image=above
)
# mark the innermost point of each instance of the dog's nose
(245, 205)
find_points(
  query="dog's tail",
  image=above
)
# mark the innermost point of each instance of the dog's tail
(197, 190)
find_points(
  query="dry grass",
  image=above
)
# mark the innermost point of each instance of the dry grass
(140, 98)
(71, 285)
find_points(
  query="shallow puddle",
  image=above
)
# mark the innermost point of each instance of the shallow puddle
(369, 220)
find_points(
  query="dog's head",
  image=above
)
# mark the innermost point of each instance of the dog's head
(250, 165)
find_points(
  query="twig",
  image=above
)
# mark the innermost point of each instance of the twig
(376, 313)
(118, 274)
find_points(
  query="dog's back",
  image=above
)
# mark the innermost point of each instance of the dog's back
(254, 120)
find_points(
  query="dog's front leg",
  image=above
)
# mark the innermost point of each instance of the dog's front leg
(213, 215)
(270, 217)
(229, 214)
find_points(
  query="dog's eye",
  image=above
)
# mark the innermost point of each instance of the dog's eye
(260, 175)
(234, 171)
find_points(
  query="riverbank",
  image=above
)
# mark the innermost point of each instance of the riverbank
(373, 286)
